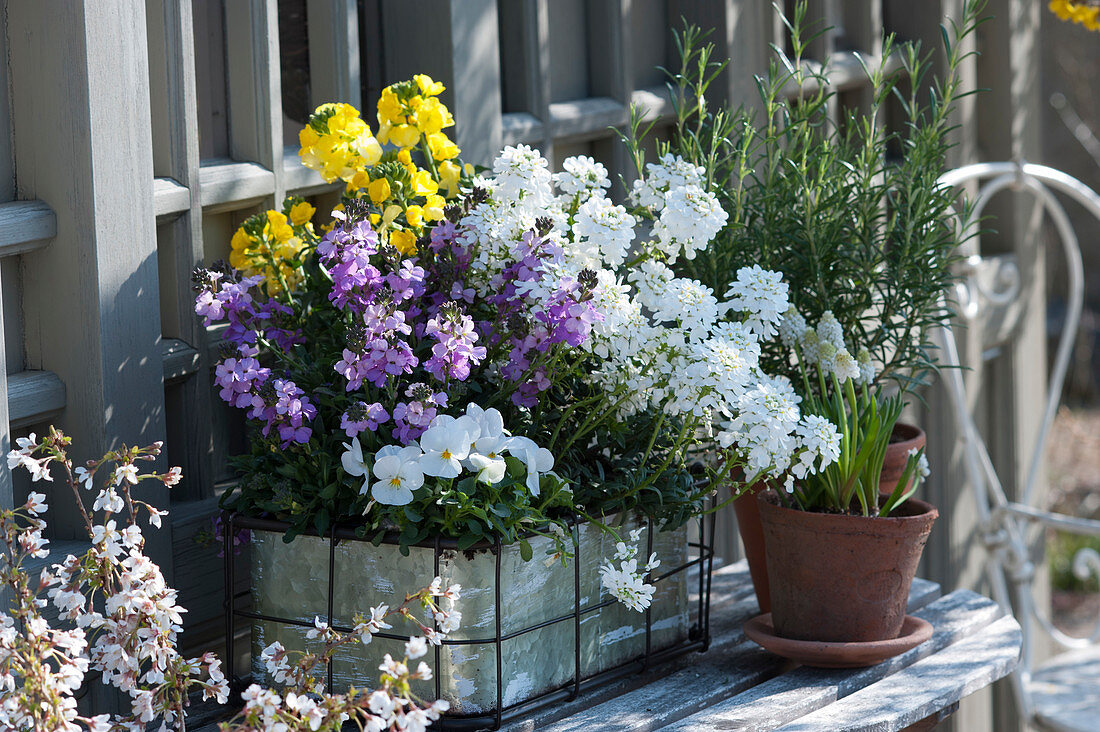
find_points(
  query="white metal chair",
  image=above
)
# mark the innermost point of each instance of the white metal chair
(1063, 693)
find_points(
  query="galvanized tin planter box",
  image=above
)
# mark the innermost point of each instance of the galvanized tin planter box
(532, 632)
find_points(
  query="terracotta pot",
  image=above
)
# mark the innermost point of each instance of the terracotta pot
(752, 537)
(904, 438)
(840, 578)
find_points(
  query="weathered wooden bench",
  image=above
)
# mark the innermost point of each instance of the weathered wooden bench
(736, 685)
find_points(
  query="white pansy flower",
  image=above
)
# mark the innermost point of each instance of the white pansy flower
(446, 444)
(490, 468)
(537, 459)
(398, 473)
(353, 462)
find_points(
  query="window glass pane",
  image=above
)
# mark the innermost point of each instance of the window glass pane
(209, 21)
(294, 67)
(650, 42)
(514, 57)
(568, 50)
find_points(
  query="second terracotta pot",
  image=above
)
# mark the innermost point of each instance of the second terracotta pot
(752, 538)
(903, 438)
(840, 578)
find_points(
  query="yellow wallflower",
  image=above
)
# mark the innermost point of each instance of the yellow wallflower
(379, 190)
(266, 244)
(404, 242)
(429, 117)
(404, 156)
(449, 174)
(433, 207)
(390, 213)
(404, 136)
(277, 226)
(424, 184)
(301, 212)
(383, 135)
(1077, 12)
(337, 143)
(428, 87)
(390, 110)
(368, 148)
(414, 215)
(361, 179)
(442, 147)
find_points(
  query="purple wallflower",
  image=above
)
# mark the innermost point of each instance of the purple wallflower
(286, 408)
(413, 418)
(347, 255)
(239, 378)
(362, 416)
(455, 352)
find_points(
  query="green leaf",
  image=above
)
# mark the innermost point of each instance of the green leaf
(525, 551)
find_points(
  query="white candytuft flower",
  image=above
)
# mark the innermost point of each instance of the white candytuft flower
(671, 171)
(763, 295)
(582, 176)
(606, 229)
(689, 220)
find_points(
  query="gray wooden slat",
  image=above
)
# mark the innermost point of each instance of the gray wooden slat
(170, 197)
(692, 683)
(25, 226)
(180, 248)
(475, 78)
(91, 298)
(521, 127)
(34, 397)
(925, 687)
(654, 101)
(226, 184)
(180, 359)
(804, 690)
(585, 118)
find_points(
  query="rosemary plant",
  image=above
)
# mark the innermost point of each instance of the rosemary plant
(849, 211)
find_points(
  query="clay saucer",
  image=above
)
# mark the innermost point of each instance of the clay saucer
(820, 654)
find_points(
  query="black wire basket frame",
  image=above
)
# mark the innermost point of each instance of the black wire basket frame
(698, 637)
